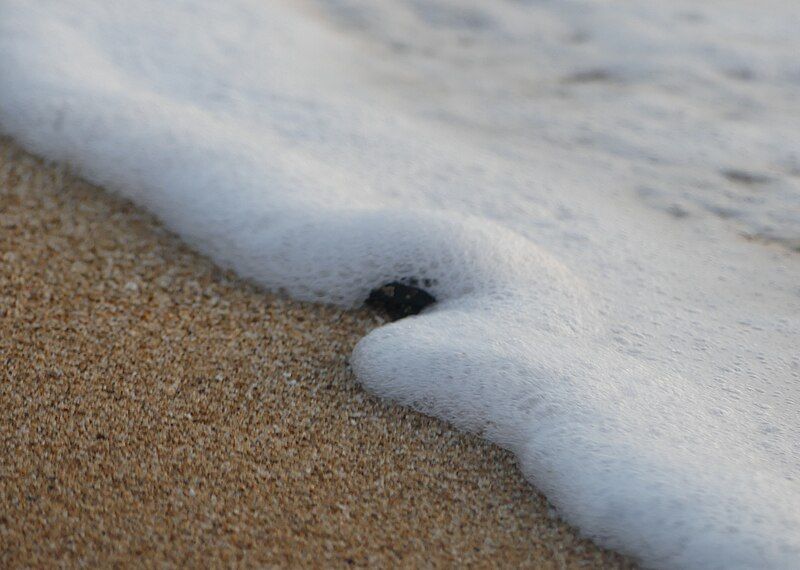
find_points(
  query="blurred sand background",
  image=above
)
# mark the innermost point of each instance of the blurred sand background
(155, 410)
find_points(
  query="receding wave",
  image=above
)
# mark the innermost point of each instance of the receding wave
(592, 314)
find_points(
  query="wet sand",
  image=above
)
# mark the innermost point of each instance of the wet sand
(155, 410)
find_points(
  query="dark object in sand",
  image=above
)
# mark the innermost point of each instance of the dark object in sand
(399, 300)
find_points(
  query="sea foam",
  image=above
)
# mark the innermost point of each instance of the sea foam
(569, 180)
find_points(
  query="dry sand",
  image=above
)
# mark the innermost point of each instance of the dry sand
(157, 411)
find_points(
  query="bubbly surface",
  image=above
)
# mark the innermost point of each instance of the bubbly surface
(584, 187)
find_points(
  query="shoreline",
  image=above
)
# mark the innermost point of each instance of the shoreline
(158, 410)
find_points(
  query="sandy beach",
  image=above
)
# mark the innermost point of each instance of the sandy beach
(155, 410)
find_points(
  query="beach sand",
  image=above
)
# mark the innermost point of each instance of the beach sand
(155, 410)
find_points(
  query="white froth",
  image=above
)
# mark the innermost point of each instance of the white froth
(570, 179)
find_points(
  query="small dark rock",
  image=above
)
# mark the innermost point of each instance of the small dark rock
(399, 300)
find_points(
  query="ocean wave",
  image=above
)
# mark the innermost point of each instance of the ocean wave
(593, 312)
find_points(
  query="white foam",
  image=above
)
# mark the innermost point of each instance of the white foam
(570, 177)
